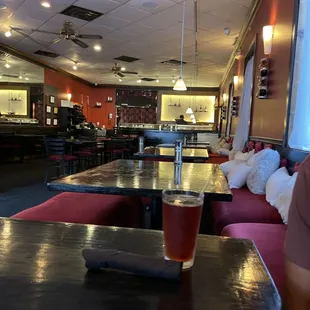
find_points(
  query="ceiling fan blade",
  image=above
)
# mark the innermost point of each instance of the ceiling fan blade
(89, 36)
(120, 74)
(129, 72)
(79, 43)
(47, 32)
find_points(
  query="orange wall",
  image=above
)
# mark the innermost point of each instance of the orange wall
(269, 116)
(87, 95)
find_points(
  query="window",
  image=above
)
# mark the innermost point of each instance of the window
(299, 121)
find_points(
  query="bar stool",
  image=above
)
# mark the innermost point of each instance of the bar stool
(56, 152)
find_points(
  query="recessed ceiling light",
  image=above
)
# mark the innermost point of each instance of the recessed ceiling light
(139, 81)
(0, 76)
(97, 48)
(3, 6)
(7, 65)
(27, 79)
(20, 77)
(8, 33)
(173, 81)
(120, 80)
(123, 68)
(150, 5)
(46, 4)
(157, 81)
(75, 67)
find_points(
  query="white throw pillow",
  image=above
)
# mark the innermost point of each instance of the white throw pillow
(223, 151)
(238, 175)
(254, 157)
(284, 200)
(227, 146)
(229, 165)
(244, 156)
(264, 166)
(276, 184)
(232, 154)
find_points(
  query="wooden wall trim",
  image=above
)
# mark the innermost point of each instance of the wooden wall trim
(266, 140)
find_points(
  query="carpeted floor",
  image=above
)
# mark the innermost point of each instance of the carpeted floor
(22, 186)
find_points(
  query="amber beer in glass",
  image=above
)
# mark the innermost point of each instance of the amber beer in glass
(181, 220)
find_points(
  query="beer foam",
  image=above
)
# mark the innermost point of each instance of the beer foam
(183, 201)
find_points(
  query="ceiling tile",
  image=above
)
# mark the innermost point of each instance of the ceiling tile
(236, 12)
(246, 3)
(58, 20)
(162, 5)
(129, 13)
(110, 21)
(36, 13)
(24, 23)
(91, 28)
(123, 35)
(12, 4)
(99, 6)
(206, 36)
(139, 29)
(210, 5)
(57, 5)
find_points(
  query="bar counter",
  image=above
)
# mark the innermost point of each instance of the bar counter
(27, 129)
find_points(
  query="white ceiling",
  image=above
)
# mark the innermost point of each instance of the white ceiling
(128, 28)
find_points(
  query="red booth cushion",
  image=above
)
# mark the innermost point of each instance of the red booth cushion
(269, 240)
(66, 157)
(83, 208)
(246, 207)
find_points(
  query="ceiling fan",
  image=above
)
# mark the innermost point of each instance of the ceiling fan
(67, 32)
(120, 71)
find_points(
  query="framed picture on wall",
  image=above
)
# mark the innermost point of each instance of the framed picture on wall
(48, 109)
(52, 99)
(55, 121)
(48, 121)
(55, 110)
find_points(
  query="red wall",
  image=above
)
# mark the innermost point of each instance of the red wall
(268, 116)
(87, 95)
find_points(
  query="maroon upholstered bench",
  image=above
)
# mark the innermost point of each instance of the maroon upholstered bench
(216, 158)
(269, 240)
(111, 210)
(246, 207)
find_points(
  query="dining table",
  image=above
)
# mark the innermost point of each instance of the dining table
(147, 179)
(42, 268)
(185, 146)
(188, 154)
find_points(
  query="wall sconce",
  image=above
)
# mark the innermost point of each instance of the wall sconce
(224, 97)
(69, 97)
(267, 37)
(236, 81)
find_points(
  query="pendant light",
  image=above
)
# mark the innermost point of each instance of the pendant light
(180, 85)
(189, 110)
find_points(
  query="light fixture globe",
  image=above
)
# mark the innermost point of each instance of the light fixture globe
(180, 85)
(192, 116)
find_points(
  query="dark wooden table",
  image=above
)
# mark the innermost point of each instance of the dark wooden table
(42, 268)
(189, 155)
(144, 178)
(185, 146)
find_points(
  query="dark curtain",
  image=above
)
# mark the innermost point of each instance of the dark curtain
(137, 115)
